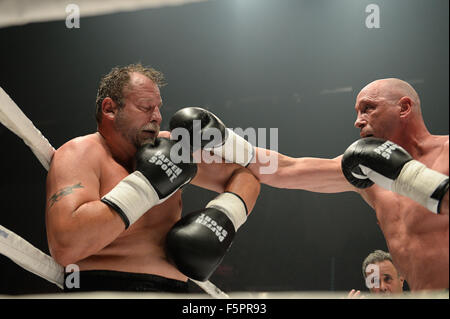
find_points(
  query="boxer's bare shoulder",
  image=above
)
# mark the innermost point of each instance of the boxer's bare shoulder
(435, 153)
(77, 162)
(438, 142)
(443, 155)
(83, 146)
(87, 151)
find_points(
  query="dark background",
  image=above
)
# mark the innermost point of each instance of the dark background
(255, 63)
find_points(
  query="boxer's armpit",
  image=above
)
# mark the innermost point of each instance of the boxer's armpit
(63, 192)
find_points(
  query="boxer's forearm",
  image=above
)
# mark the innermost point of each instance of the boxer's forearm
(244, 184)
(83, 232)
(306, 173)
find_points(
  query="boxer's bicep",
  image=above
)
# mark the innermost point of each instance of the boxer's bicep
(73, 190)
(78, 223)
(72, 181)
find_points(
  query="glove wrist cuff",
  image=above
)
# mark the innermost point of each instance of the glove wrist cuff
(235, 149)
(132, 197)
(231, 205)
(418, 182)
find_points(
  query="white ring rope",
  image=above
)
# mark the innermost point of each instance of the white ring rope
(15, 247)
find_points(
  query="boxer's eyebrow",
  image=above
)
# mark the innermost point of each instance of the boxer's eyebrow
(362, 102)
(63, 192)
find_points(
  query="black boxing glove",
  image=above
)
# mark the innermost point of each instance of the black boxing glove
(197, 243)
(207, 131)
(155, 179)
(373, 160)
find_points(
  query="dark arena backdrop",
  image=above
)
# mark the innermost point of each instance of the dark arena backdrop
(291, 65)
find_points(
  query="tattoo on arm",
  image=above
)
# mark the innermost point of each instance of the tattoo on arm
(63, 192)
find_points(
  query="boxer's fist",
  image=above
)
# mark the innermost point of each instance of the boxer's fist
(155, 179)
(374, 154)
(166, 177)
(207, 131)
(373, 160)
(202, 126)
(197, 243)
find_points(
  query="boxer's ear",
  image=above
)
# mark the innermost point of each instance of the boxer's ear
(109, 108)
(405, 104)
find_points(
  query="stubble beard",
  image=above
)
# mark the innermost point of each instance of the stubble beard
(131, 134)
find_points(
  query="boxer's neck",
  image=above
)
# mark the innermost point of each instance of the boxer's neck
(121, 150)
(415, 139)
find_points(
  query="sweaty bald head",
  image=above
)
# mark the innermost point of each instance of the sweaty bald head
(388, 108)
(392, 90)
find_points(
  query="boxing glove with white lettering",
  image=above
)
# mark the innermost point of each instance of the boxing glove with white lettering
(155, 179)
(373, 160)
(208, 132)
(198, 242)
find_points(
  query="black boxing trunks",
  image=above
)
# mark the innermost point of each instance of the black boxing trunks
(108, 280)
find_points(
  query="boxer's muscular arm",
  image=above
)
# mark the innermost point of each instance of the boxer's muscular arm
(306, 173)
(78, 223)
(228, 177)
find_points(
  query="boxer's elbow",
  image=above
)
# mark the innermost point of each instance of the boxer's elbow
(64, 253)
(65, 247)
(64, 256)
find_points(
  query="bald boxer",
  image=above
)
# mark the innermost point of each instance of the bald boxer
(113, 196)
(398, 167)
